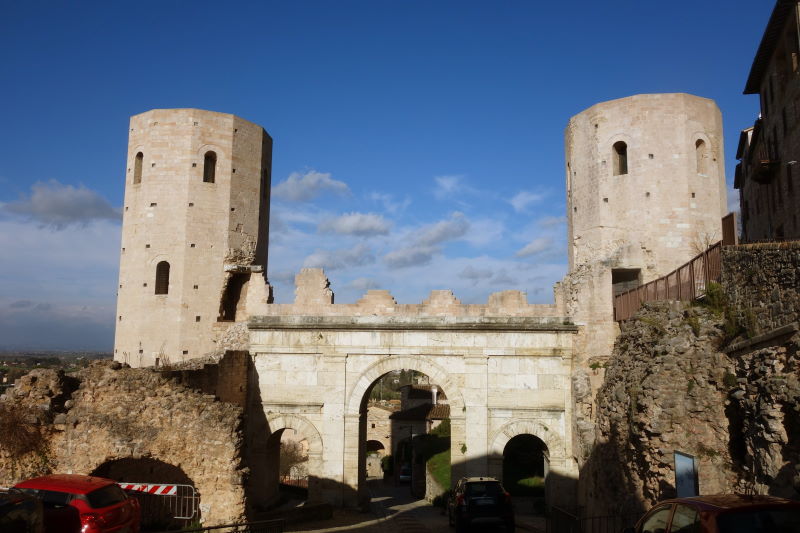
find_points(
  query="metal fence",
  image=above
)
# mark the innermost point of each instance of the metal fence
(562, 521)
(161, 503)
(686, 283)
(301, 482)
(264, 526)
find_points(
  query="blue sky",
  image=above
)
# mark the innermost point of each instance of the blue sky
(418, 145)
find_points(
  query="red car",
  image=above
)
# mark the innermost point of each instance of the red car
(83, 504)
(723, 513)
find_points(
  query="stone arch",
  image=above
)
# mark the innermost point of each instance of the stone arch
(420, 363)
(554, 443)
(309, 431)
(301, 425)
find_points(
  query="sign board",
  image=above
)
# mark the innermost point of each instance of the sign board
(686, 480)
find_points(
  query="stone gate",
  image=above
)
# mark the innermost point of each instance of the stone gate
(504, 366)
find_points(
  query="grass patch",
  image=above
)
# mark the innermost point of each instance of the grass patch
(439, 467)
(529, 486)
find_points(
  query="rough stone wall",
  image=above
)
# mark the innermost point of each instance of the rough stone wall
(109, 412)
(762, 283)
(674, 384)
(665, 390)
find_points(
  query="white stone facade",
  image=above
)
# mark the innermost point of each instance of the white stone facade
(316, 364)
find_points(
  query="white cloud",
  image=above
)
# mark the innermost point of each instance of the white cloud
(447, 186)
(337, 259)
(363, 284)
(444, 230)
(359, 224)
(536, 246)
(524, 199)
(390, 205)
(57, 206)
(475, 274)
(304, 187)
(550, 222)
(410, 256)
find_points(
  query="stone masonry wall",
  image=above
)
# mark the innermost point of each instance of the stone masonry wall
(762, 282)
(677, 382)
(109, 412)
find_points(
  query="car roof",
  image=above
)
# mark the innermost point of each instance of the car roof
(725, 502)
(72, 483)
(473, 479)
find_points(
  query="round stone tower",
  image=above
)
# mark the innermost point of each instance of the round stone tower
(645, 193)
(195, 230)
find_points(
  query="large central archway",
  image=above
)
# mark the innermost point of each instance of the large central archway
(356, 416)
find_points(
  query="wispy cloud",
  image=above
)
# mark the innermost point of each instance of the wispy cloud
(389, 203)
(304, 187)
(447, 186)
(337, 259)
(551, 222)
(410, 256)
(524, 199)
(444, 230)
(358, 224)
(57, 206)
(535, 247)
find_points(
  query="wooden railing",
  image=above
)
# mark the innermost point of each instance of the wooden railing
(685, 283)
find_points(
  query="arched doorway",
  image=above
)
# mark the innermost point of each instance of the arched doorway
(293, 458)
(173, 504)
(526, 462)
(356, 420)
(414, 413)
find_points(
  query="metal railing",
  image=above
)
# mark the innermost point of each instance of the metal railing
(164, 502)
(264, 526)
(562, 521)
(301, 482)
(685, 283)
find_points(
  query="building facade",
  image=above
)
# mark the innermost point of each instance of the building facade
(769, 151)
(195, 228)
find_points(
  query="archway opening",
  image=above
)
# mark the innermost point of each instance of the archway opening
(405, 428)
(287, 470)
(166, 494)
(526, 462)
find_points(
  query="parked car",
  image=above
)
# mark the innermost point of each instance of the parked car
(405, 473)
(20, 513)
(480, 501)
(724, 513)
(83, 504)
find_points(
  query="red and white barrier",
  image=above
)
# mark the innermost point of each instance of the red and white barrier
(160, 490)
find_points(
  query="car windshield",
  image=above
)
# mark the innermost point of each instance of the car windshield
(761, 521)
(106, 496)
(483, 489)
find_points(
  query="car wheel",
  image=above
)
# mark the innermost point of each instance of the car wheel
(461, 525)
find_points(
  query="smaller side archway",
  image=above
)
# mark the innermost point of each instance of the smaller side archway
(306, 430)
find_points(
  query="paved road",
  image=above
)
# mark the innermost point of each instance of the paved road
(394, 510)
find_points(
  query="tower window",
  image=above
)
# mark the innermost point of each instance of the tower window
(620, 158)
(701, 154)
(162, 278)
(137, 168)
(209, 167)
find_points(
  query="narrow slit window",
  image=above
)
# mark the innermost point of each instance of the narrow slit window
(209, 167)
(701, 153)
(162, 278)
(137, 168)
(620, 157)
